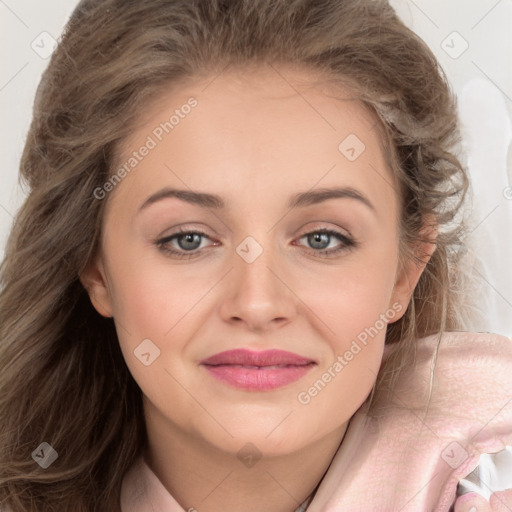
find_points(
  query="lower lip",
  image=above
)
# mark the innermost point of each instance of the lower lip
(259, 379)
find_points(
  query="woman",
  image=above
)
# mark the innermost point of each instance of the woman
(236, 267)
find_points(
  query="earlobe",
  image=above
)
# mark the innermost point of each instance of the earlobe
(95, 282)
(412, 269)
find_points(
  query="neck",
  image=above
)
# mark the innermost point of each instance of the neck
(202, 477)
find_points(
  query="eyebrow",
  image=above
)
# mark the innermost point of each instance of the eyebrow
(300, 200)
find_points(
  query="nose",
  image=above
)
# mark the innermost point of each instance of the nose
(257, 293)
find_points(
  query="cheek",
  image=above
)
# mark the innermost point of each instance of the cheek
(355, 311)
(153, 310)
(338, 389)
(153, 300)
(353, 304)
(350, 297)
(149, 295)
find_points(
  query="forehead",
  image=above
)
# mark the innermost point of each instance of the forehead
(252, 130)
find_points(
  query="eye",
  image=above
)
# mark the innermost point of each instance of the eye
(183, 244)
(321, 240)
(188, 244)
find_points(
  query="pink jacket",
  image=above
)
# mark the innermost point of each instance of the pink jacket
(403, 457)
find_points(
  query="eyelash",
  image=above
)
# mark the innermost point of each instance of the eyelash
(348, 243)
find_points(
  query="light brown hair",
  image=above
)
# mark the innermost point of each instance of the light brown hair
(63, 377)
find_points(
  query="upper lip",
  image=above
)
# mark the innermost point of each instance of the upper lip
(246, 357)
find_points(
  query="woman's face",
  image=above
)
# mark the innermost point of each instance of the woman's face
(254, 214)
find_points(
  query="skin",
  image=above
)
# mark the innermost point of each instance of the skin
(255, 139)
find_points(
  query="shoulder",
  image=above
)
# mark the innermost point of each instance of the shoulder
(460, 359)
(457, 377)
(469, 365)
(473, 347)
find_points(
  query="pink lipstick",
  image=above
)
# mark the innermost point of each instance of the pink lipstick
(259, 371)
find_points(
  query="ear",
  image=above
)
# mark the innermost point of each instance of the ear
(95, 282)
(410, 270)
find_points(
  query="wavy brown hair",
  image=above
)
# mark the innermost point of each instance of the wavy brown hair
(63, 378)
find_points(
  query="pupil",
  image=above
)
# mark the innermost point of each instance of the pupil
(319, 240)
(189, 241)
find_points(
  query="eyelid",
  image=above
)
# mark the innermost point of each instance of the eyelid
(183, 231)
(321, 226)
(347, 241)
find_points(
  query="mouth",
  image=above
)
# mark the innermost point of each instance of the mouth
(258, 371)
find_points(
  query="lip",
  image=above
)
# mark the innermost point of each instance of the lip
(257, 370)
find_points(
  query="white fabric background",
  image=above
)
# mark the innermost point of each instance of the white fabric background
(481, 76)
